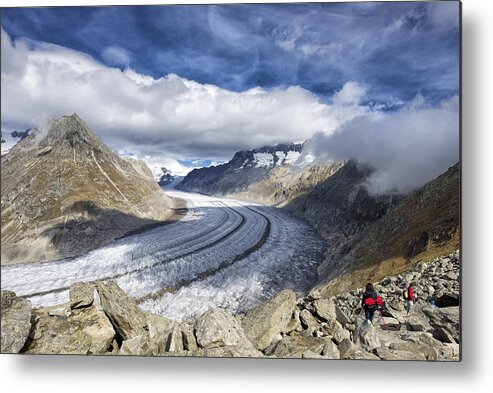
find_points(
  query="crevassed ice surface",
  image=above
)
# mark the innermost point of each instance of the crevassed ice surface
(223, 253)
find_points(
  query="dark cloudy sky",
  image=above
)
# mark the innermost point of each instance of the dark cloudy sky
(200, 82)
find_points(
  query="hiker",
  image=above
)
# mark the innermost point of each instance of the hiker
(409, 297)
(370, 302)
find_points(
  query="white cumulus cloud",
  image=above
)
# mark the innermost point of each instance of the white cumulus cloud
(170, 119)
(169, 116)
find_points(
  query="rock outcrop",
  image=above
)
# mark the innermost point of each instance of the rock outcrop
(264, 323)
(124, 313)
(63, 192)
(16, 322)
(310, 327)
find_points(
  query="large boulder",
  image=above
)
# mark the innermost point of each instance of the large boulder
(325, 309)
(341, 316)
(136, 346)
(84, 331)
(443, 321)
(217, 328)
(448, 300)
(264, 323)
(410, 346)
(309, 322)
(16, 322)
(159, 331)
(127, 318)
(367, 337)
(338, 333)
(347, 348)
(296, 346)
(330, 350)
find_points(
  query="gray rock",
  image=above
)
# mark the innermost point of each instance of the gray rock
(367, 337)
(16, 322)
(81, 295)
(308, 321)
(62, 310)
(414, 323)
(217, 328)
(390, 323)
(339, 334)
(175, 340)
(189, 341)
(294, 324)
(158, 326)
(330, 350)
(308, 354)
(450, 352)
(347, 348)
(325, 309)
(136, 346)
(444, 335)
(263, 323)
(85, 331)
(127, 318)
(294, 347)
(385, 353)
(342, 316)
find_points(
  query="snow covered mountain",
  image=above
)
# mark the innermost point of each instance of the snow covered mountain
(247, 167)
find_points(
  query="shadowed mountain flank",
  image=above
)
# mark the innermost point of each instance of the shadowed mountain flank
(424, 225)
(62, 177)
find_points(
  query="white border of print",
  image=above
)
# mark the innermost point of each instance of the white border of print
(83, 374)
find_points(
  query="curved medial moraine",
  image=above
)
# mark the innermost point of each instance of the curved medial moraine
(223, 253)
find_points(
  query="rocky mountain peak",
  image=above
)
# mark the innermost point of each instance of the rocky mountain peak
(70, 132)
(62, 185)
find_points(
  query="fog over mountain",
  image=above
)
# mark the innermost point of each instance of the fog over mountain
(407, 148)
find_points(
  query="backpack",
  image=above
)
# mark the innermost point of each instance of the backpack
(405, 294)
(372, 301)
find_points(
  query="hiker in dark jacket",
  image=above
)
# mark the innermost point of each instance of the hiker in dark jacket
(370, 302)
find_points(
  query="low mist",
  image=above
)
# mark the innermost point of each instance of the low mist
(407, 148)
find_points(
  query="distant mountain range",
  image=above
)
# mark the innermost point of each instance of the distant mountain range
(246, 168)
(64, 192)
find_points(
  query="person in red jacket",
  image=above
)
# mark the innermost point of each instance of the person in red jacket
(410, 297)
(370, 302)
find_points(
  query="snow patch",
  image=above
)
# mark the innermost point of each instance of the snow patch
(263, 160)
(291, 157)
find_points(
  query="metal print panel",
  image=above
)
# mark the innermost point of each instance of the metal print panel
(236, 180)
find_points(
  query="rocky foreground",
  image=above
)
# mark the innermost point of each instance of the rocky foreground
(101, 319)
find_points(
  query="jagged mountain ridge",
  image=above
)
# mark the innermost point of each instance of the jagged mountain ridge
(65, 192)
(247, 167)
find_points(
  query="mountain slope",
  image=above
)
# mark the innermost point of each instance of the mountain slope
(64, 192)
(422, 226)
